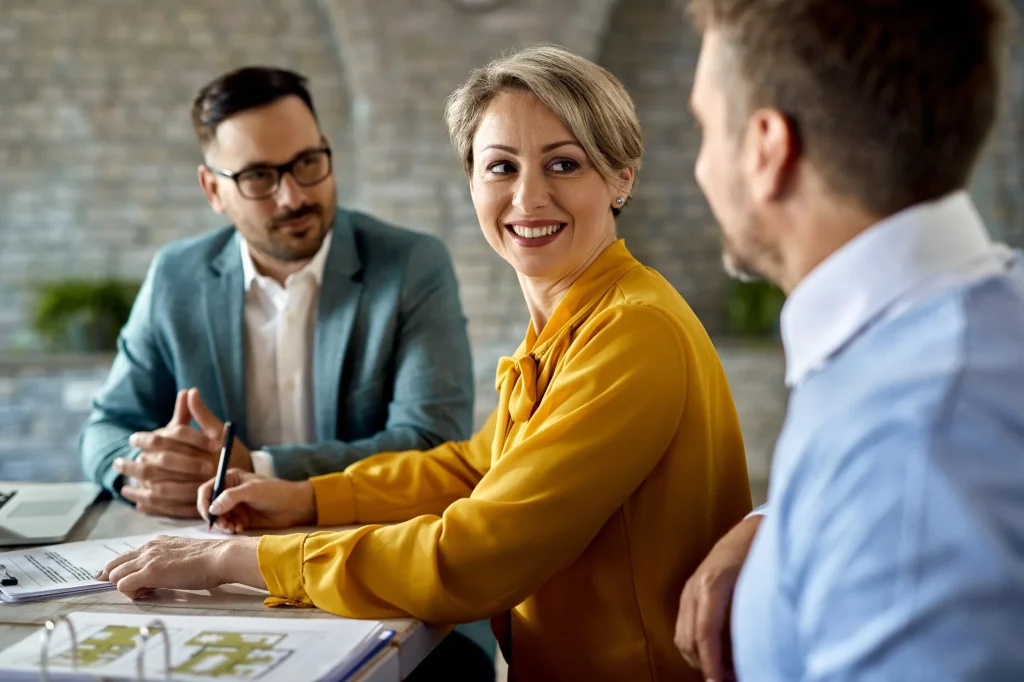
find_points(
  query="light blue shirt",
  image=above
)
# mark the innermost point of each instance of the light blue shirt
(894, 546)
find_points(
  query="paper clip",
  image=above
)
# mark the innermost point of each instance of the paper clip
(8, 579)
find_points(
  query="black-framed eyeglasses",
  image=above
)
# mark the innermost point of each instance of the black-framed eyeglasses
(259, 182)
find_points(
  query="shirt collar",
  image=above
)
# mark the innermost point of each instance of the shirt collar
(584, 294)
(314, 267)
(858, 282)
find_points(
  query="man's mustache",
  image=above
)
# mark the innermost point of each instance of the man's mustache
(300, 212)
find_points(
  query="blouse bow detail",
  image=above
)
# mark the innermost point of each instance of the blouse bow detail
(518, 377)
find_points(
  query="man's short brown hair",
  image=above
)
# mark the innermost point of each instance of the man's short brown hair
(240, 90)
(891, 100)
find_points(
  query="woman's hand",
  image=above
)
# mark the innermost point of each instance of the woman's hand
(184, 564)
(251, 501)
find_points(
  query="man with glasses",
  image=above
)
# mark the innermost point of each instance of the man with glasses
(325, 335)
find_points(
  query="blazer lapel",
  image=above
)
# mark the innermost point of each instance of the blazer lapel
(225, 314)
(339, 301)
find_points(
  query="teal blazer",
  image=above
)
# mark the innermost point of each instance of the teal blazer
(392, 368)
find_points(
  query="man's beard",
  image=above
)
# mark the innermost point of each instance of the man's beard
(289, 247)
(743, 259)
(739, 269)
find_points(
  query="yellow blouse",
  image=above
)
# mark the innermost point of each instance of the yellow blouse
(613, 463)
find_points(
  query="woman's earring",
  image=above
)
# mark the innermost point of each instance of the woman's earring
(620, 201)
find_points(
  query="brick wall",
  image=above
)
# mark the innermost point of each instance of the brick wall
(998, 185)
(668, 224)
(42, 409)
(97, 160)
(97, 155)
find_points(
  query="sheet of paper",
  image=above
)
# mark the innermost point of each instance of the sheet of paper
(70, 567)
(204, 648)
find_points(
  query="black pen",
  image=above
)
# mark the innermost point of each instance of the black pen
(222, 467)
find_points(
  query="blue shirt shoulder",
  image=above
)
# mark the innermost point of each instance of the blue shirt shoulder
(894, 548)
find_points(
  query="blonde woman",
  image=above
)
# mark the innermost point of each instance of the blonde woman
(612, 464)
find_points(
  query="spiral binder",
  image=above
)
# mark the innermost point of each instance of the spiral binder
(44, 652)
(145, 632)
(120, 646)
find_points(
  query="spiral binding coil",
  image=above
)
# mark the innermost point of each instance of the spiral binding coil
(156, 626)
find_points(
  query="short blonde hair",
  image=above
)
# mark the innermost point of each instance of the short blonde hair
(591, 102)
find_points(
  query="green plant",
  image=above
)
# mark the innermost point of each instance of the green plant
(754, 307)
(83, 316)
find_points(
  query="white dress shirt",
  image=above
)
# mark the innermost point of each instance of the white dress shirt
(279, 328)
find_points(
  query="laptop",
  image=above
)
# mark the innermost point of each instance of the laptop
(42, 513)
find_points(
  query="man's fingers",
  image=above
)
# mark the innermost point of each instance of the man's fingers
(711, 606)
(684, 625)
(173, 462)
(131, 493)
(177, 511)
(173, 491)
(151, 505)
(161, 492)
(174, 439)
(128, 467)
(185, 511)
(194, 438)
(156, 466)
(211, 426)
(181, 416)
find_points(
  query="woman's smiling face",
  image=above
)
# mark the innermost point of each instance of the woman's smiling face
(542, 205)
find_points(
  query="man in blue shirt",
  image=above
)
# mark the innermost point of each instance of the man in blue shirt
(838, 142)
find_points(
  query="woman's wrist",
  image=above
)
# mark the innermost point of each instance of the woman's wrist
(237, 561)
(306, 494)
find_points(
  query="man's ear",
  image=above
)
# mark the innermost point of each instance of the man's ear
(772, 149)
(210, 183)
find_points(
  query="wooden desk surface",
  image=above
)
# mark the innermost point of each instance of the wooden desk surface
(109, 519)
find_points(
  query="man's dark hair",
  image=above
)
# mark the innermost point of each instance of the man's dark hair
(242, 89)
(891, 100)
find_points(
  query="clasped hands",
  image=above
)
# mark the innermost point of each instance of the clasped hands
(176, 459)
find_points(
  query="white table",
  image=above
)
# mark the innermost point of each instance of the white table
(108, 519)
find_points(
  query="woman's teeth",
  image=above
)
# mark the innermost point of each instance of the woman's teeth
(536, 232)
